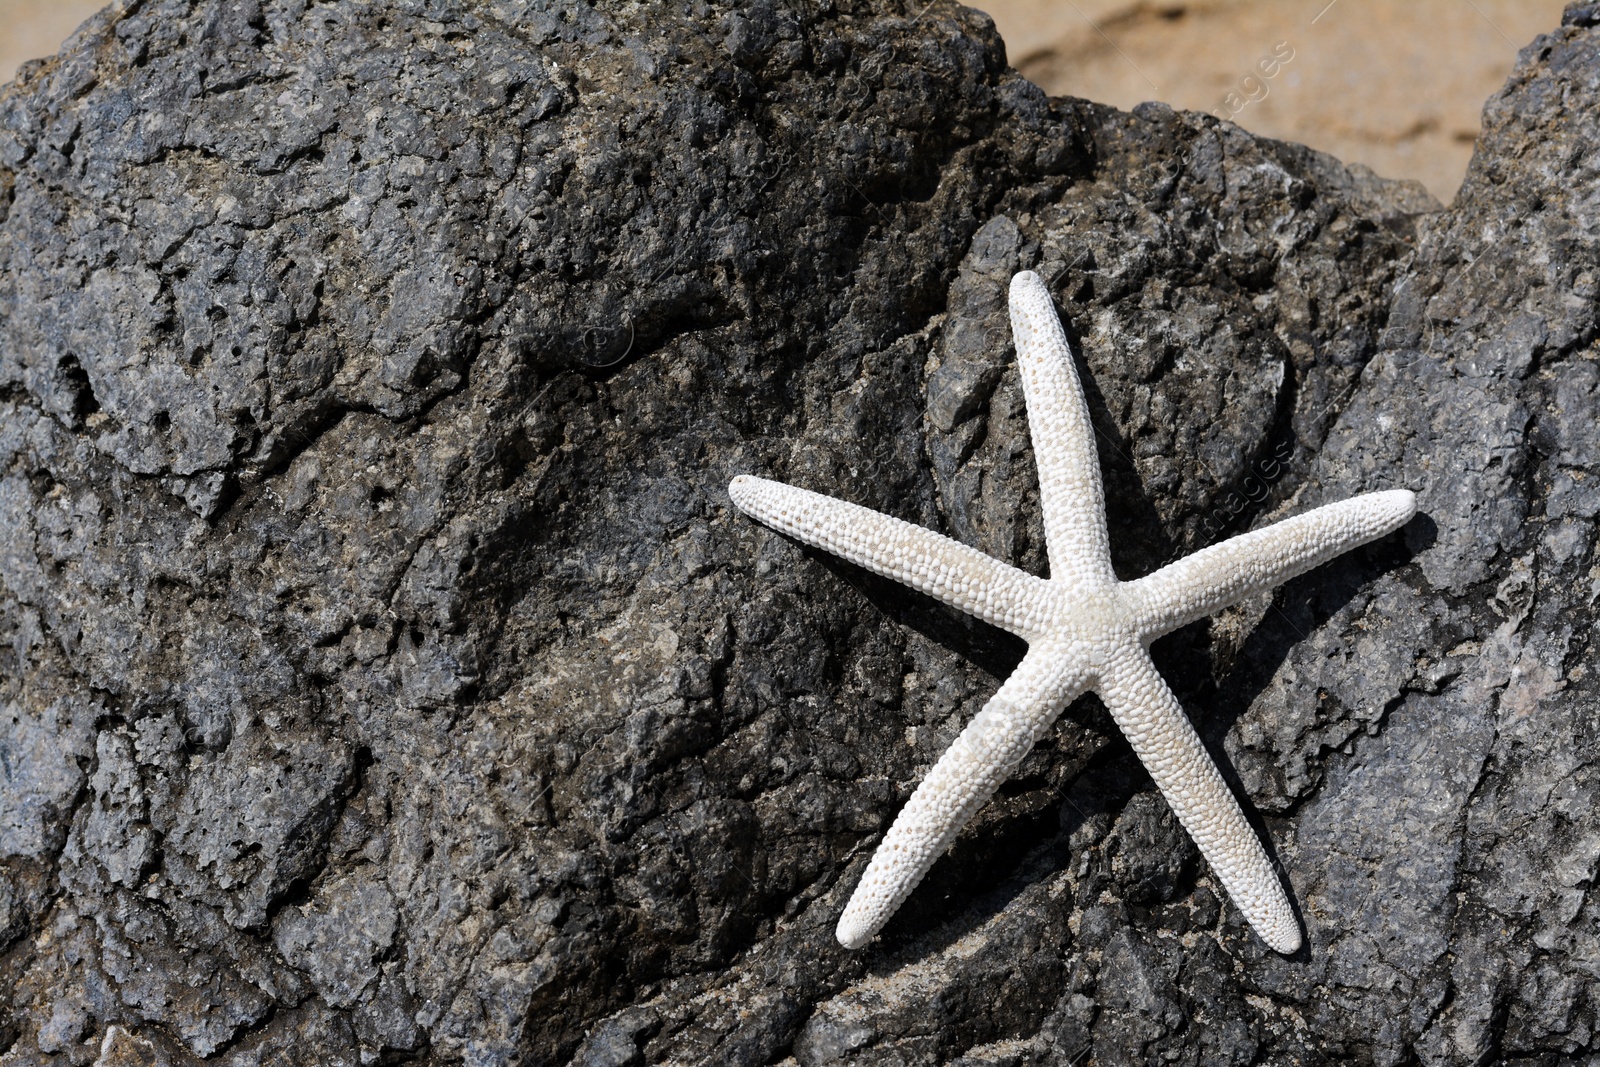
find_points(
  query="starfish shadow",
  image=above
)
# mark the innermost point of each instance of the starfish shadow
(1299, 608)
(1035, 815)
(1141, 545)
(989, 648)
(961, 891)
(1028, 823)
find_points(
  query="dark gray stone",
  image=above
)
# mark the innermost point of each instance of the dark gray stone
(385, 675)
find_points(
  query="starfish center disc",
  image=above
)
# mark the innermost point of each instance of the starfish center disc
(1090, 618)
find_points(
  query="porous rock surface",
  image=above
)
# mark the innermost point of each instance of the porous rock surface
(385, 675)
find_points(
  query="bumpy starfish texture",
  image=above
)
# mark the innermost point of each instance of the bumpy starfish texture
(1085, 631)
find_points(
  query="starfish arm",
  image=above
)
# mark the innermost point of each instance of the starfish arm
(1165, 742)
(943, 568)
(1254, 562)
(969, 772)
(1070, 491)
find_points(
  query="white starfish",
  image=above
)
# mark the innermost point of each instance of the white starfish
(1085, 630)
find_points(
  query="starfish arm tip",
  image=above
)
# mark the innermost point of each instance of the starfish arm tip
(1024, 280)
(1285, 938)
(742, 491)
(852, 934)
(1404, 503)
(1385, 511)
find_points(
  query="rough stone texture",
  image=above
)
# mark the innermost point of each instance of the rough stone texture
(386, 675)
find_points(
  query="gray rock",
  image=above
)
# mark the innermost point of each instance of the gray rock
(385, 675)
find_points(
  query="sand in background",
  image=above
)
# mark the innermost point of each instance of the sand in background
(33, 29)
(1396, 84)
